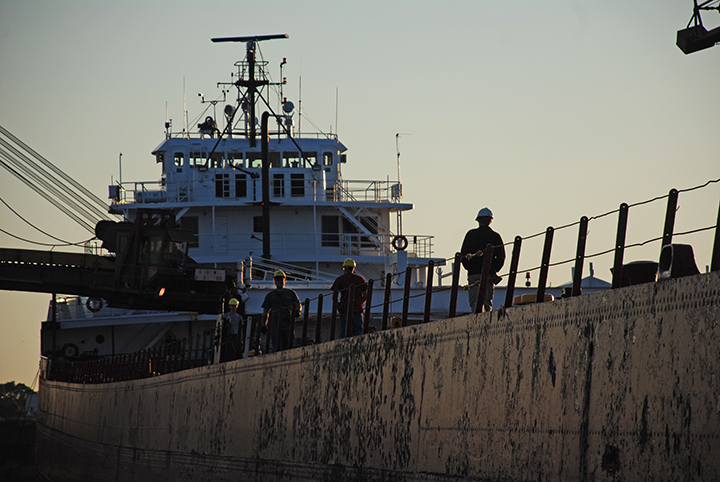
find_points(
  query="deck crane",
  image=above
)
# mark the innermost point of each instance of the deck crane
(149, 268)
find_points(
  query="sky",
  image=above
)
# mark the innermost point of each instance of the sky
(542, 111)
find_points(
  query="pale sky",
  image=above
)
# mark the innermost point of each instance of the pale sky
(542, 111)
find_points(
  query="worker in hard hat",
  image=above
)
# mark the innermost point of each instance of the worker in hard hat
(342, 286)
(232, 320)
(472, 248)
(280, 308)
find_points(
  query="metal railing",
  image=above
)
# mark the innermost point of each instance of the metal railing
(676, 260)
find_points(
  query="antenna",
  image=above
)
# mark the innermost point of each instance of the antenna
(398, 187)
(252, 84)
(186, 131)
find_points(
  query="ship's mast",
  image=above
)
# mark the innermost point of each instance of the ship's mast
(251, 84)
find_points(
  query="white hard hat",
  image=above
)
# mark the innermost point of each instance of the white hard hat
(484, 213)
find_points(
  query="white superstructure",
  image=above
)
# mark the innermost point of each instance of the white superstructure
(213, 180)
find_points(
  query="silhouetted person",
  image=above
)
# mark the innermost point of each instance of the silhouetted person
(473, 245)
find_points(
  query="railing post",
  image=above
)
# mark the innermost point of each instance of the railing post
(318, 321)
(198, 348)
(484, 279)
(368, 306)
(428, 291)
(580, 256)
(617, 270)
(545, 266)
(386, 301)
(670, 217)
(183, 345)
(306, 317)
(715, 260)
(406, 296)
(512, 276)
(457, 263)
(333, 316)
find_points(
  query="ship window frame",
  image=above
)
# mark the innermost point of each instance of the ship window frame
(217, 160)
(330, 231)
(222, 185)
(191, 223)
(241, 180)
(275, 159)
(181, 157)
(327, 158)
(309, 159)
(297, 184)
(258, 222)
(278, 184)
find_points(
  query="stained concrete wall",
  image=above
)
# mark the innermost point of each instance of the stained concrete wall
(619, 385)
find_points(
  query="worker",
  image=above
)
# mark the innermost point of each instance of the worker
(472, 260)
(232, 320)
(280, 308)
(342, 284)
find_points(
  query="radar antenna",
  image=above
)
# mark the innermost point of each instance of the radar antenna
(252, 83)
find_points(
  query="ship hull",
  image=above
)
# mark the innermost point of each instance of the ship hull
(616, 385)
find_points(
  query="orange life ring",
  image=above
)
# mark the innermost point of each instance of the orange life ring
(400, 243)
(94, 304)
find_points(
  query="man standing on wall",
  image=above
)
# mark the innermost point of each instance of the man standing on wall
(232, 321)
(474, 244)
(280, 308)
(342, 284)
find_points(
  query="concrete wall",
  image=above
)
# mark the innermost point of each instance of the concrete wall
(619, 385)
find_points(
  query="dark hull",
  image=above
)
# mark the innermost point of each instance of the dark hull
(617, 385)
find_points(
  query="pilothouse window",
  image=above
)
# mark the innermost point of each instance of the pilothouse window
(216, 160)
(197, 159)
(179, 159)
(309, 159)
(254, 160)
(274, 158)
(327, 158)
(291, 159)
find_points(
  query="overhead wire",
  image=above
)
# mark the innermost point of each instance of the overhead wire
(82, 197)
(55, 186)
(31, 224)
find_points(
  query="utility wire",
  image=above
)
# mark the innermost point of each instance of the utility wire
(31, 224)
(52, 201)
(51, 187)
(84, 191)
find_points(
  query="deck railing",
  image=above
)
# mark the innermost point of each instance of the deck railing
(676, 260)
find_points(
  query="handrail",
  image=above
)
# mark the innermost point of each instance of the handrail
(223, 347)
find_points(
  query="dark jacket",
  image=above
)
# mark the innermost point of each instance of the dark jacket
(342, 284)
(476, 240)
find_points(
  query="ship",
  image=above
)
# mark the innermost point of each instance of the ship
(241, 220)
(138, 380)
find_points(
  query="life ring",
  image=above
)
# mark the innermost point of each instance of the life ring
(94, 304)
(70, 350)
(400, 243)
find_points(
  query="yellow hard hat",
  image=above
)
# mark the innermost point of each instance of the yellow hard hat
(233, 302)
(349, 262)
(279, 274)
